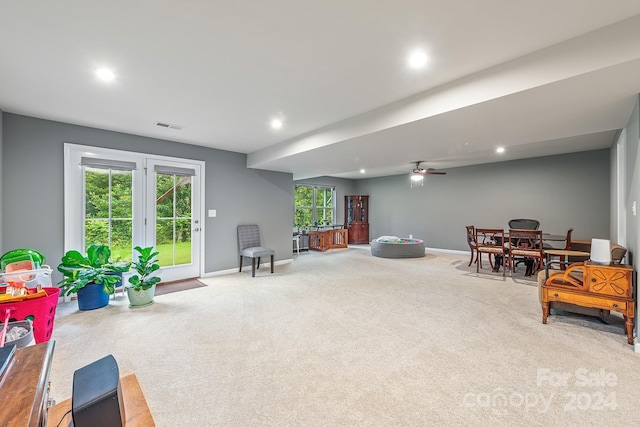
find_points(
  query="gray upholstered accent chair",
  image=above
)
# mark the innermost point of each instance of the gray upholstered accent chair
(249, 246)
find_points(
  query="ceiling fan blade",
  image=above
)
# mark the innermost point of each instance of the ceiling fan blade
(431, 171)
(420, 171)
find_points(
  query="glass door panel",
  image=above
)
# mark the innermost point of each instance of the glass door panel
(173, 219)
(174, 225)
(108, 211)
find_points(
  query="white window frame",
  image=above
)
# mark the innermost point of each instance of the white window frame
(74, 192)
(314, 207)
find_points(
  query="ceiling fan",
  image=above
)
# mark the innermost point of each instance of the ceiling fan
(418, 173)
(421, 171)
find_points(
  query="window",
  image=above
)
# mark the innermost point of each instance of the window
(314, 205)
(108, 217)
(103, 198)
(324, 205)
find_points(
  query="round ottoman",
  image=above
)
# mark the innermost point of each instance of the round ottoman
(395, 247)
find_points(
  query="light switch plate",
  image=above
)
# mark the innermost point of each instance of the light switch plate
(212, 213)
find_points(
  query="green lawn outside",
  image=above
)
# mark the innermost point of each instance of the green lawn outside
(183, 254)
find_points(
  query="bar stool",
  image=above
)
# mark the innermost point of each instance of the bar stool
(296, 240)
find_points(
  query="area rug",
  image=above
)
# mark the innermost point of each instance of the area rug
(181, 285)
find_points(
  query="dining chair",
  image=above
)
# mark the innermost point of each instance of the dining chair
(567, 246)
(524, 224)
(527, 245)
(491, 242)
(249, 246)
(471, 241)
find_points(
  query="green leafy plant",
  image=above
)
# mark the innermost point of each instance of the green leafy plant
(145, 266)
(97, 267)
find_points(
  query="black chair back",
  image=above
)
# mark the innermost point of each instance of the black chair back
(524, 224)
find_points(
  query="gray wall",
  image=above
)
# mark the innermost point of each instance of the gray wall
(632, 181)
(33, 199)
(343, 188)
(1, 180)
(561, 191)
(632, 193)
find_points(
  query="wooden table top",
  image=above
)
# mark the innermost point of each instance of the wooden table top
(565, 252)
(23, 385)
(545, 236)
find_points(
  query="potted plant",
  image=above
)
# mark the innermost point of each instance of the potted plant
(92, 277)
(142, 286)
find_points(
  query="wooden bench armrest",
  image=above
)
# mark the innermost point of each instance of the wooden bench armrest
(571, 277)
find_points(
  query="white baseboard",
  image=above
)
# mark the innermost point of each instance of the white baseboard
(235, 270)
(367, 247)
(448, 251)
(437, 250)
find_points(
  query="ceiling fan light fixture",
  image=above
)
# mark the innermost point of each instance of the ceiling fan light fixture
(417, 59)
(417, 180)
(105, 74)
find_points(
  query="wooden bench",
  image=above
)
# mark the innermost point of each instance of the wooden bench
(606, 287)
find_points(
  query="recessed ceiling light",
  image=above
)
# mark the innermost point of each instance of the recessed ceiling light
(500, 150)
(417, 59)
(105, 74)
(362, 171)
(276, 123)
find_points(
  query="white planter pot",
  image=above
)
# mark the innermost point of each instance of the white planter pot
(141, 298)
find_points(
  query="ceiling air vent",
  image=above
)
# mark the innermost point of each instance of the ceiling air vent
(169, 125)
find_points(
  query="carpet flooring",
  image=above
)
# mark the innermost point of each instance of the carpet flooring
(342, 338)
(182, 285)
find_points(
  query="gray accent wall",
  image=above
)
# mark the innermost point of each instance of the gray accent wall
(33, 184)
(561, 191)
(2, 204)
(632, 180)
(631, 195)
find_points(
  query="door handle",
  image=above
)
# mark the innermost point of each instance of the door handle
(196, 229)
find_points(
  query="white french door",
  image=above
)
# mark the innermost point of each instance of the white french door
(173, 217)
(125, 199)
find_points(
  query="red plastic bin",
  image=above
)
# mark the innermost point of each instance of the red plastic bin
(41, 311)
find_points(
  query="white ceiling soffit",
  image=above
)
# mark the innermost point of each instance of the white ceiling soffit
(565, 98)
(216, 73)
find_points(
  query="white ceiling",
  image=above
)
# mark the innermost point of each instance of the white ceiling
(539, 78)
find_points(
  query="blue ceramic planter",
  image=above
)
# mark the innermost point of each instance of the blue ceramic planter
(91, 297)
